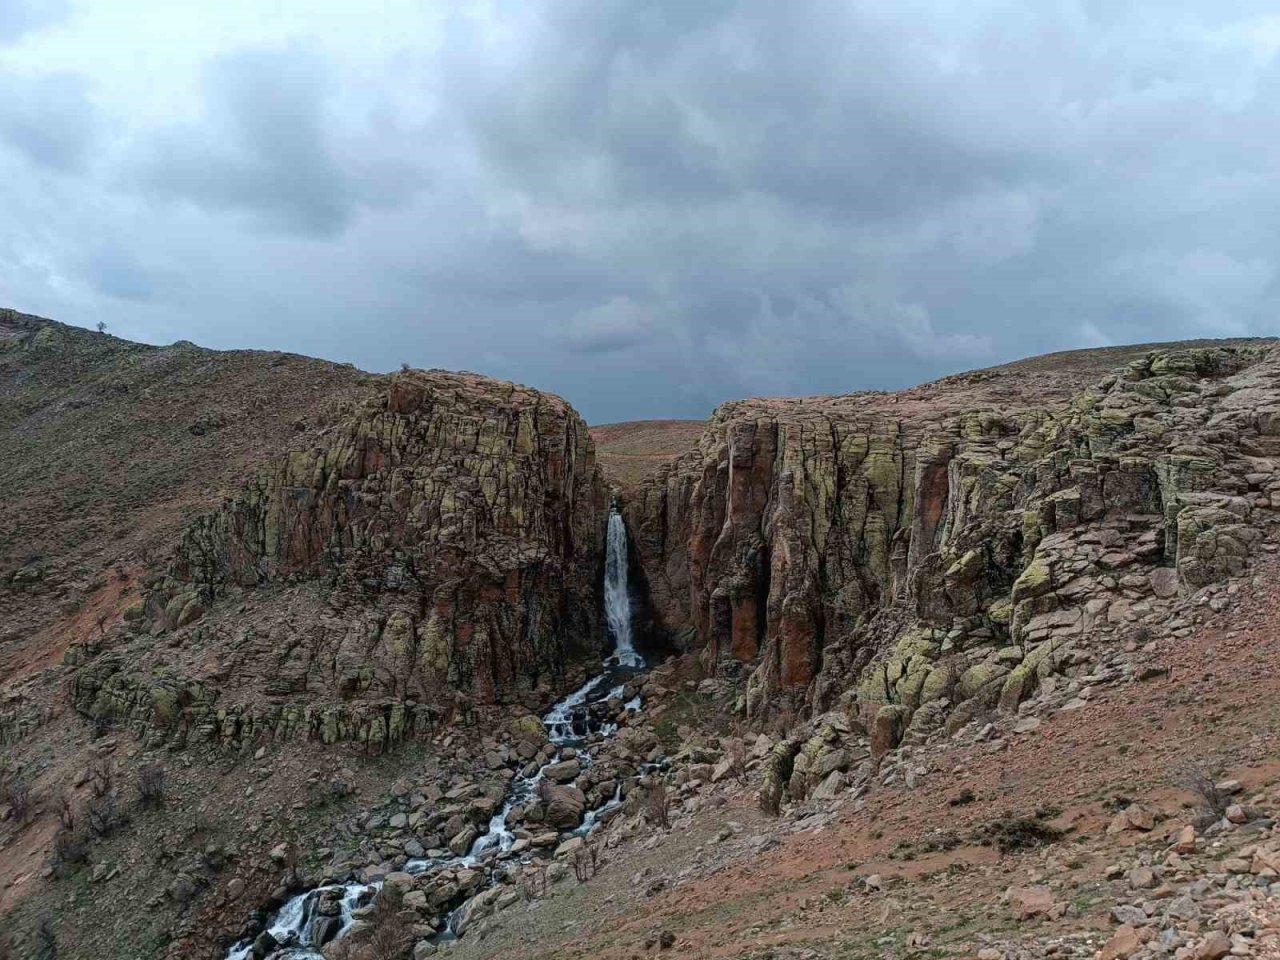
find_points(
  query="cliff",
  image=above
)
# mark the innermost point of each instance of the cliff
(924, 554)
(440, 547)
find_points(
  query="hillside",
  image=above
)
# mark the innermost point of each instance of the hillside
(297, 661)
(112, 446)
(629, 452)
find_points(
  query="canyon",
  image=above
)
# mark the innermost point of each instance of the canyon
(426, 664)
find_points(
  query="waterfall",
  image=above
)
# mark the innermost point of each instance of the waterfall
(577, 720)
(617, 600)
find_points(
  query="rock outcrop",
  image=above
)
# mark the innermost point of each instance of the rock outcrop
(956, 543)
(439, 548)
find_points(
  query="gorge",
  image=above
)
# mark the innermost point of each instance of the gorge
(407, 658)
(577, 723)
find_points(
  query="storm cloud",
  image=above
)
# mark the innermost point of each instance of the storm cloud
(648, 207)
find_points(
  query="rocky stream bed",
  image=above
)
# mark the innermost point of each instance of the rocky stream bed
(471, 879)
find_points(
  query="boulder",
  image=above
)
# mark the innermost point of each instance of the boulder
(566, 771)
(1029, 902)
(461, 842)
(1213, 947)
(565, 806)
(1123, 944)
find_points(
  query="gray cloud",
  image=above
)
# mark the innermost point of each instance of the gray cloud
(267, 147)
(652, 207)
(48, 118)
(616, 324)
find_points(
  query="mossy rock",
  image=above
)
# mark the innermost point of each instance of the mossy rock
(528, 728)
(980, 679)
(1035, 581)
(1001, 612)
(1022, 680)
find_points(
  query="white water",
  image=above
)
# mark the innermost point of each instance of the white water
(292, 925)
(569, 722)
(617, 598)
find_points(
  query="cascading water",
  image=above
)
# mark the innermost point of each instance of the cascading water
(571, 722)
(297, 928)
(617, 597)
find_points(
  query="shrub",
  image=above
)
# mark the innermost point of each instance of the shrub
(655, 802)
(535, 881)
(1011, 833)
(586, 861)
(389, 933)
(1196, 777)
(70, 849)
(151, 785)
(46, 941)
(15, 791)
(104, 815)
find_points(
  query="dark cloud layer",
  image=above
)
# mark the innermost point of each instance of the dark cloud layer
(654, 206)
(264, 147)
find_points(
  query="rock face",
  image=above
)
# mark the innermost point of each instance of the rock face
(957, 542)
(440, 547)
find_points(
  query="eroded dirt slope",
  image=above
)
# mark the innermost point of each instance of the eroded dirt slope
(110, 447)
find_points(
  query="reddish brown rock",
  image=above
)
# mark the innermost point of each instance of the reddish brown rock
(1029, 902)
(1122, 944)
(835, 542)
(440, 548)
(1186, 842)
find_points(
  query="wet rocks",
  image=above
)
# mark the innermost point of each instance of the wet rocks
(563, 806)
(565, 771)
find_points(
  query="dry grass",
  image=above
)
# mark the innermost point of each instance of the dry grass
(629, 452)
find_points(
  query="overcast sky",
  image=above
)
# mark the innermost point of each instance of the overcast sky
(648, 207)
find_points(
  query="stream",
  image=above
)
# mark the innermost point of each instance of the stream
(325, 913)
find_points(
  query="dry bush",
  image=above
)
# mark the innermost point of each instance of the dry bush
(1012, 833)
(104, 815)
(389, 934)
(15, 791)
(101, 777)
(534, 882)
(151, 785)
(70, 849)
(586, 861)
(655, 803)
(1196, 777)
